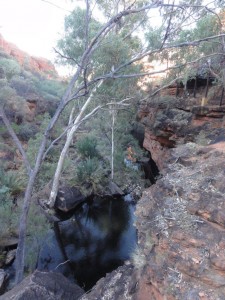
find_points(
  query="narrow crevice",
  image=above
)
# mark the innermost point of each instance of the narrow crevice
(150, 169)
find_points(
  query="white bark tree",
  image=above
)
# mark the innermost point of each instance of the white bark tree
(112, 141)
(71, 131)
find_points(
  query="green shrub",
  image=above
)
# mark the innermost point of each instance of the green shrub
(4, 194)
(87, 147)
(6, 93)
(86, 169)
(26, 131)
(11, 184)
(22, 85)
(10, 67)
(13, 102)
(91, 176)
(50, 87)
(9, 217)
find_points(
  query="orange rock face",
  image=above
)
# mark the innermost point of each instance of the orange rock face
(155, 147)
(33, 63)
(181, 218)
(181, 234)
(166, 126)
(186, 210)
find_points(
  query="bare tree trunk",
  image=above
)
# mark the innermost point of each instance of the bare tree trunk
(23, 220)
(76, 124)
(70, 123)
(20, 252)
(112, 146)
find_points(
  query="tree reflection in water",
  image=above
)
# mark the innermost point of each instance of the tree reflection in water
(97, 239)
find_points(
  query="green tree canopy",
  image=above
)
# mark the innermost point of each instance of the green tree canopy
(10, 67)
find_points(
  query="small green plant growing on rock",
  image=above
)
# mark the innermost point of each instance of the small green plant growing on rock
(90, 174)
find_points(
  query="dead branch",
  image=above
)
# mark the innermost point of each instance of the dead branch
(64, 56)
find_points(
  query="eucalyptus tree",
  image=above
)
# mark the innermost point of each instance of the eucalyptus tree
(93, 71)
(201, 42)
(114, 50)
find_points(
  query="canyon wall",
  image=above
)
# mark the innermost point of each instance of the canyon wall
(180, 219)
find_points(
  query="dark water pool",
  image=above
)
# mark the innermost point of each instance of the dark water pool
(97, 239)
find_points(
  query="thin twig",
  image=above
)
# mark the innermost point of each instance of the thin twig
(65, 262)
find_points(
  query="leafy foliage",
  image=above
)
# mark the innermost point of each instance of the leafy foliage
(90, 175)
(26, 131)
(210, 51)
(87, 146)
(73, 42)
(23, 85)
(109, 54)
(18, 85)
(12, 101)
(50, 88)
(9, 217)
(10, 67)
(11, 184)
(86, 169)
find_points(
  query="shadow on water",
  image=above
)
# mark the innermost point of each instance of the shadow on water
(97, 239)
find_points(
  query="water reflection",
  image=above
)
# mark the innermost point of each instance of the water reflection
(98, 238)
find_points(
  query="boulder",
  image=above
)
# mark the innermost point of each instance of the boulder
(117, 285)
(113, 189)
(10, 241)
(68, 198)
(44, 286)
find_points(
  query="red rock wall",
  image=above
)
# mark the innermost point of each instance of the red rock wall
(36, 64)
(181, 218)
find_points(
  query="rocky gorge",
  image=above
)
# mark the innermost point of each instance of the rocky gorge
(180, 219)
